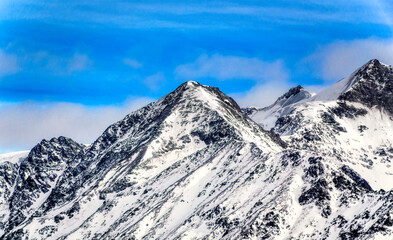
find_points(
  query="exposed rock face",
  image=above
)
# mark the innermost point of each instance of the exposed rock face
(33, 180)
(192, 165)
(373, 86)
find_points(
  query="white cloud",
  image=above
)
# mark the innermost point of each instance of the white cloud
(132, 63)
(25, 124)
(316, 88)
(232, 67)
(155, 81)
(78, 62)
(262, 95)
(130, 14)
(8, 64)
(271, 78)
(53, 64)
(339, 59)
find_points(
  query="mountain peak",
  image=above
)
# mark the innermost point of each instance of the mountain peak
(267, 116)
(373, 61)
(192, 83)
(191, 90)
(294, 95)
(55, 143)
(189, 85)
(372, 67)
(365, 80)
(293, 91)
(186, 90)
(372, 85)
(197, 103)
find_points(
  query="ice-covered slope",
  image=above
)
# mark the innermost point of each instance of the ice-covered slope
(267, 116)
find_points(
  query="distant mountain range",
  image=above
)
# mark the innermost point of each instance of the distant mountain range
(194, 165)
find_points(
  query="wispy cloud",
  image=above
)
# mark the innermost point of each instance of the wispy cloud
(384, 10)
(155, 81)
(231, 67)
(8, 64)
(262, 95)
(271, 78)
(339, 59)
(316, 88)
(24, 124)
(171, 15)
(78, 62)
(54, 64)
(132, 63)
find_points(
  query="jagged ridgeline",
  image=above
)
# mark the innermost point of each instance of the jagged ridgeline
(193, 165)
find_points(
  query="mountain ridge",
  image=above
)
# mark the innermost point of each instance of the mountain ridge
(371, 72)
(193, 117)
(192, 165)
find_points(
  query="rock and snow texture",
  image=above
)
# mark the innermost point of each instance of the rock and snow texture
(9, 165)
(267, 116)
(192, 165)
(169, 163)
(350, 125)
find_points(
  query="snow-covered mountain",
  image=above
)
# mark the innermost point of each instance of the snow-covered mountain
(193, 165)
(351, 120)
(169, 163)
(350, 124)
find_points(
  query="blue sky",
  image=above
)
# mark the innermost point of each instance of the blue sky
(73, 67)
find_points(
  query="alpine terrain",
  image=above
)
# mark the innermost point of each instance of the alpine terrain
(194, 165)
